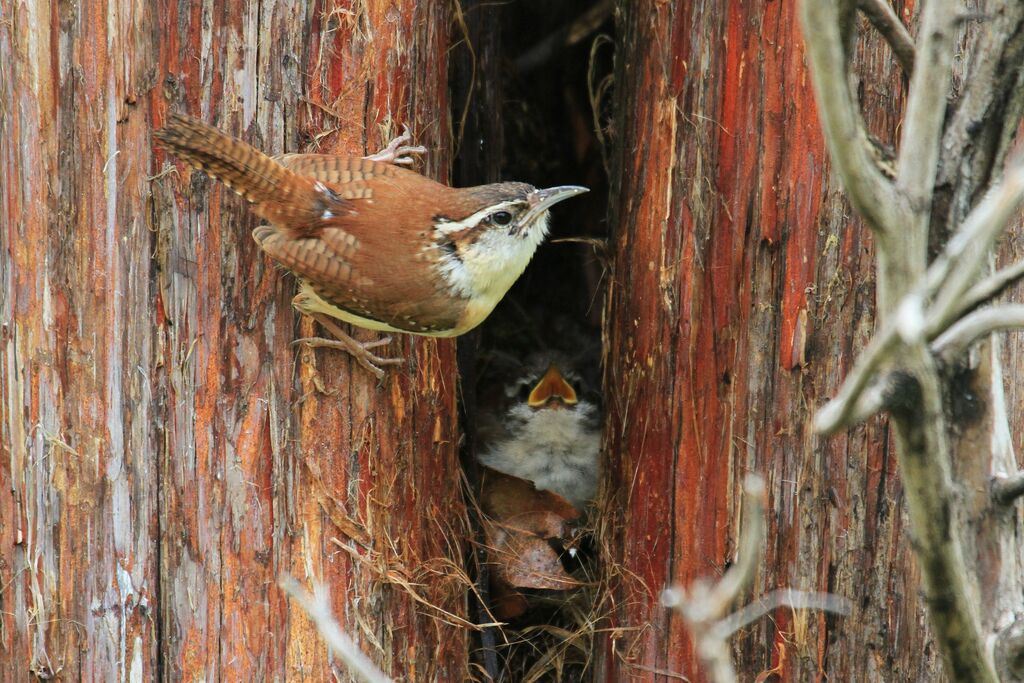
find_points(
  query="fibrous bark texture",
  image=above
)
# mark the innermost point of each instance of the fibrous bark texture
(165, 455)
(742, 290)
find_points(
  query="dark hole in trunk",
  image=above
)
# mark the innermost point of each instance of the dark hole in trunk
(527, 76)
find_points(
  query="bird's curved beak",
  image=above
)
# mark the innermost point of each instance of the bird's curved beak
(542, 200)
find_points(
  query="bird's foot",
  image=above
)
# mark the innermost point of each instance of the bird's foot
(362, 352)
(398, 152)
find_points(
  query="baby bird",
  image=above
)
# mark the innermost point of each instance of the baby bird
(547, 434)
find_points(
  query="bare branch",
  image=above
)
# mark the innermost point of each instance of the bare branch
(337, 640)
(972, 327)
(704, 605)
(1005, 489)
(923, 450)
(842, 411)
(786, 597)
(869, 190)
(926, 108)
(992, 286)
(961, 262)
(885, 20)
(948, 279)
(716, 603)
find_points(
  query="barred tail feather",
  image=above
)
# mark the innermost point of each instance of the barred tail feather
(237, 164)
(280, 195)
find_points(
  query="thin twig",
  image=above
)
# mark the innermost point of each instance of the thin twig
(786, 597)
(966, 253)
(885, 20)
(869, 190)
(337, 640)
(948, 280)
(922, 131)
(1005, 489)
(705, 605)
(841, 412)
(954, 341)
(923, 453)
(992, 286)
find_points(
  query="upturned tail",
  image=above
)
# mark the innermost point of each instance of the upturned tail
(280, 195)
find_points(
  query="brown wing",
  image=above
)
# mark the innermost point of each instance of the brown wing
(331, 168)
(374, 258)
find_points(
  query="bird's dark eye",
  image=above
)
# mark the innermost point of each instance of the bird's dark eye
(501, 218)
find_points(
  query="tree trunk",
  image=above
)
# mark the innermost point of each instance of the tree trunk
(743, 288)
(166, 454)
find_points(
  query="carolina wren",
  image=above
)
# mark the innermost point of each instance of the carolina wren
(373, 244)
(548, 434)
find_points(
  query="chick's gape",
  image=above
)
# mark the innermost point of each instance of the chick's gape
(373, 244)
(551, 437)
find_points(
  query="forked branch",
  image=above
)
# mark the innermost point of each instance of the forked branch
(705, 606)
(916, 302)
(885, 20)
(947, 285)
(868, 188)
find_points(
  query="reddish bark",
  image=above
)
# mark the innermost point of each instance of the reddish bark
(741, 292)
(166, 455)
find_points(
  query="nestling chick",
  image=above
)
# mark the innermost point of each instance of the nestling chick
(548, 435)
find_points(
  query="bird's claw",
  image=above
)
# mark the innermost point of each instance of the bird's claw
(398, 152)
(360, 351)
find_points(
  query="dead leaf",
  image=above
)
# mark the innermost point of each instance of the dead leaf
(521, 525)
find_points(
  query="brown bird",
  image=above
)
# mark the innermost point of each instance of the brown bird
(374, 244)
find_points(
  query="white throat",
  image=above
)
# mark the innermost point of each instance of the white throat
(484, 270)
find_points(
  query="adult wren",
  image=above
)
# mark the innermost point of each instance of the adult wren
(373, 244)
(545, 432)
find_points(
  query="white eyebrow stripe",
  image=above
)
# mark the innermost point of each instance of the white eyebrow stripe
(448, 226)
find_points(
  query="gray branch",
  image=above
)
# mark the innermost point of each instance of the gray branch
(842, 411)
(869, 190)
(993, 286)
(922, 448)
(920, 295)
(965, 255)
(317, 607)
(926, 108)
(785, 597)
(904, 260)
(955, 341)
(948, 282)
(885, 20)
(1007, 488)
(706, 607)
